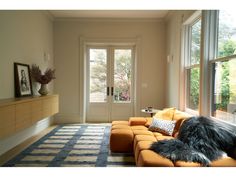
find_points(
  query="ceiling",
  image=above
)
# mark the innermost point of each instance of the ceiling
(109, 13)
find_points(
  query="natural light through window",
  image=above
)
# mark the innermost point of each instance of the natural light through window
(224, 103)
(122, 75)
(224, 69)
(193, 71)
(227, 33)
(98, 75)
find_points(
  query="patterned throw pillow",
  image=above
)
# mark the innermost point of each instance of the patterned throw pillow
(162, 126)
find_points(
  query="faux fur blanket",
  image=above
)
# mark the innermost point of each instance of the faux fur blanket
(201, 140)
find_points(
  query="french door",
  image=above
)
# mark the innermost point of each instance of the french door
(109, 83)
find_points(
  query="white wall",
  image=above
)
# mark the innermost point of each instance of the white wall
(24, 37)
(174, 22)
(66, 50)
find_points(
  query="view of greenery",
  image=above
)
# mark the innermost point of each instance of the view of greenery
(194, 73)
(195, 43)
(98, 75)
(122, 75)
(194, 88)
(226, 47)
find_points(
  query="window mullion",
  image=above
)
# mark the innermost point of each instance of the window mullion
(192, 66)
(207, 51)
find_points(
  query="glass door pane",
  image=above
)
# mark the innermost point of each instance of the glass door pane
(98, 75)
(122, 75)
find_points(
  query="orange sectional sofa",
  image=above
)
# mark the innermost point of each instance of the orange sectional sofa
(133, 136)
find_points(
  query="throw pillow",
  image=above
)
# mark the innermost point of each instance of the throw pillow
(162, 126)
(166, 114)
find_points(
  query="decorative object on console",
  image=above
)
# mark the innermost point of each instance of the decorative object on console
(200, 140)
(23, 86)
(43, 79)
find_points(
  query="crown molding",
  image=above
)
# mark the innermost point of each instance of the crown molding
(115, 20)
(48, 14)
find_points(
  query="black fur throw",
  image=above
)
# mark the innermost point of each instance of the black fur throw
(200, 140)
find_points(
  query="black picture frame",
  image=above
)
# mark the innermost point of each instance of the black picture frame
(23, 84)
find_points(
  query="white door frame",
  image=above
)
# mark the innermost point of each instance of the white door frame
(83, 43)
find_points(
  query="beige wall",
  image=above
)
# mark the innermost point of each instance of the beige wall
(152, 59)
(174, 22)
(24, 37)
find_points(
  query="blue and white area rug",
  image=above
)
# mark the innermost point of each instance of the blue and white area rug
(74, 145)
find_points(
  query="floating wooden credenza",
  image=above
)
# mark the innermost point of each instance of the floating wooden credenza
(19, 113)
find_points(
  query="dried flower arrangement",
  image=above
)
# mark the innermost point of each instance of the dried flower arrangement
(45, 78)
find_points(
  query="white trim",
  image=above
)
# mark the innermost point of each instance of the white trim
(192, 18)
(110, 20)
(192, 66)
(192, 112)
(228, 58)
(83, 42)
(186, 55)
(182, 74)
(208, 40)
(223, 121)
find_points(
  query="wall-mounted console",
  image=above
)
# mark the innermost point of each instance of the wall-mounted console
(19, 113)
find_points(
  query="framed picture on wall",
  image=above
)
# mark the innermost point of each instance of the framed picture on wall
(23, 85)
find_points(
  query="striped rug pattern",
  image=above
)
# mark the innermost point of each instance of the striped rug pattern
(74, 145)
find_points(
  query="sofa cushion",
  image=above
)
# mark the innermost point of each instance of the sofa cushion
(149, 121)
(141, 145)
(120, 126)
(142, 132)
(186, 164)
(163, 126)
(120, 122)
(166, 114)
(181, 115)
(157, 134)
(148, 158)
(224, 162)
(137, 121)
(138, 138)
(121, 140)
(160, 138)
(138, 127)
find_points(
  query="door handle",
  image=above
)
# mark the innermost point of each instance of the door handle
(111, 91)
(108, 91)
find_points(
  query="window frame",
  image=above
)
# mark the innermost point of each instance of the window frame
(212, 60)
(187, 40)
(208, 56)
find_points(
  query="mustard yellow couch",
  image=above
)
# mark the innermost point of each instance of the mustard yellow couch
(133, 136)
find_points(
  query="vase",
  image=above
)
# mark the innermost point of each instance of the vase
(43, 89)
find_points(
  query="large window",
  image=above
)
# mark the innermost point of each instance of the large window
(210, 64)
(224, 68)
(193, 65)
(226, 33)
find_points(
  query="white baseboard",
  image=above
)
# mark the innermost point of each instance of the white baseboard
(66, 118)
